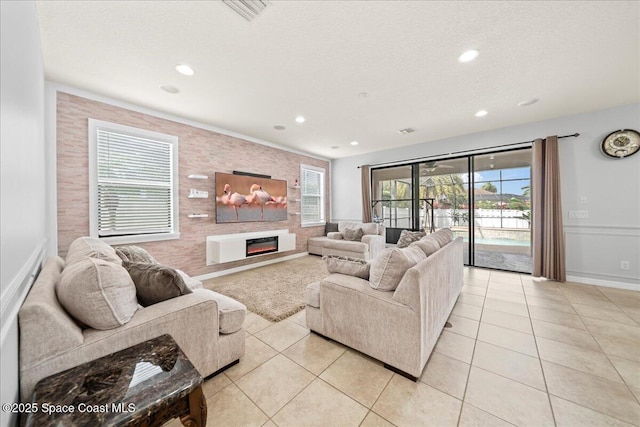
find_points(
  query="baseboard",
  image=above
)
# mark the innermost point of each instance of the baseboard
(249, 266)
(605, 283)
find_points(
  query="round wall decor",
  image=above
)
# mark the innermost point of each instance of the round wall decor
(621, 143)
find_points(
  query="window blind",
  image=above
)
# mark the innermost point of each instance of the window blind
(312, 192)
(134, 185)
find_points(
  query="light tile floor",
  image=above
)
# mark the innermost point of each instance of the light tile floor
(519, 352)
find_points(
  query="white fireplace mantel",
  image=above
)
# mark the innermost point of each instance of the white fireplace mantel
(233, 247)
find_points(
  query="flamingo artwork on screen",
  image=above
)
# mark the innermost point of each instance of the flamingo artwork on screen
(247, 198)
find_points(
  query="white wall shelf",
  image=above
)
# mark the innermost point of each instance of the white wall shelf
(295, 213)
(194, 215)
(198, 196)
(197, 176)
(233, 247)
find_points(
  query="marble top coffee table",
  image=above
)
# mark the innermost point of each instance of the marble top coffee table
(143, 385)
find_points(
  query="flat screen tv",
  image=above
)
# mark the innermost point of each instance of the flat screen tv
(242, 198)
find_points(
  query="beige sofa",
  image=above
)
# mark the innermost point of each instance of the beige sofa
(399, 327)
(207, 326)
(334, 243)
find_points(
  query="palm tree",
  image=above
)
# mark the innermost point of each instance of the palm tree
(449, 188)
(489, 187)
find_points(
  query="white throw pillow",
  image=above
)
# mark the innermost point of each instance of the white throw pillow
(427, 244)
(98, 293)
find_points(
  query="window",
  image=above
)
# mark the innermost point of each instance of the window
(312, 195)
(133, 184)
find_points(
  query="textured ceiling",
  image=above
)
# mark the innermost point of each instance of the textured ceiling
(314, 58)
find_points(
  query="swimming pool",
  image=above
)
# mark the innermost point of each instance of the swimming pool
(501, 242)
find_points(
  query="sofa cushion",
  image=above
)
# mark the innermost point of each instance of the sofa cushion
(334, 235)
(427, 244)
(156, 283)
(443, 236)
(135, 254)
(352, 234)
(347, 265)
(330, 227)
(344, 245)
(312, 294)
(98, 293)
(231, 313)
(92, 247)
(389, 266)
(369, 228)
(407, 237)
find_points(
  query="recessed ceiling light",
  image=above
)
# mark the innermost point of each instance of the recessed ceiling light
(468, 56)
(300, 119)
(354, 142)
(279, 127)
(482, 113)
(528, 102)
(184, 69)
(170, 89)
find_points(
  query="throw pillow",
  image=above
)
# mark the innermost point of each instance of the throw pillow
(427, 244)
(407, 237)
(84, 247)
(388, 268)
(98, 293)
(330, 227)
(443, 236)
(414, 254)
(156, 283)
(353, 234)
(346, 265)
(135, 254)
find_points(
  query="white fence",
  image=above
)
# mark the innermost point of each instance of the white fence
(490, 218)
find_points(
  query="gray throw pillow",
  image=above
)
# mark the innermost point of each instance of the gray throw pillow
(408, 237)
(135, 254)
(156, 283)
(330, 227)
(353, 234)
(443, 236)
(346, 265)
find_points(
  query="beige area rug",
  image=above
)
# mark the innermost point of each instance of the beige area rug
(275, 291)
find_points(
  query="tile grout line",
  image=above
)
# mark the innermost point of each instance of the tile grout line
(473, 353)
(544, 377)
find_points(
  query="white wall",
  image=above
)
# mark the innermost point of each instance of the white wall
(594, 246)
(23, 203)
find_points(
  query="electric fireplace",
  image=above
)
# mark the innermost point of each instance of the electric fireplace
(262, 245)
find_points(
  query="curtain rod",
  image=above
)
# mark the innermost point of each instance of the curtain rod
(574, 135)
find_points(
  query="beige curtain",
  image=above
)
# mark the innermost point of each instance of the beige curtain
(546, 223)
(365, 171)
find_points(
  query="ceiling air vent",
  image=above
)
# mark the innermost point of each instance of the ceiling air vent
(406, 131)
(248, 9)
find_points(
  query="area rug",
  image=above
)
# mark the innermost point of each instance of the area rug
(275, 291)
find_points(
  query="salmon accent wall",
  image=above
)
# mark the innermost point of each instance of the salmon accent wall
(200, 151)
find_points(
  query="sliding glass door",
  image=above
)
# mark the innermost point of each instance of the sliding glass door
(444, 197)
(502, 211)
(485, 199)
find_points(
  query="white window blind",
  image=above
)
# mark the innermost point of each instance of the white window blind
(134, 185)
(313, 195)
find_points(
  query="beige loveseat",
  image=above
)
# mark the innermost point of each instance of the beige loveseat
(207, 326)
(398, 327)
(334, 243)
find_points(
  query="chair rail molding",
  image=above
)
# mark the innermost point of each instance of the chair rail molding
(595, 252)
